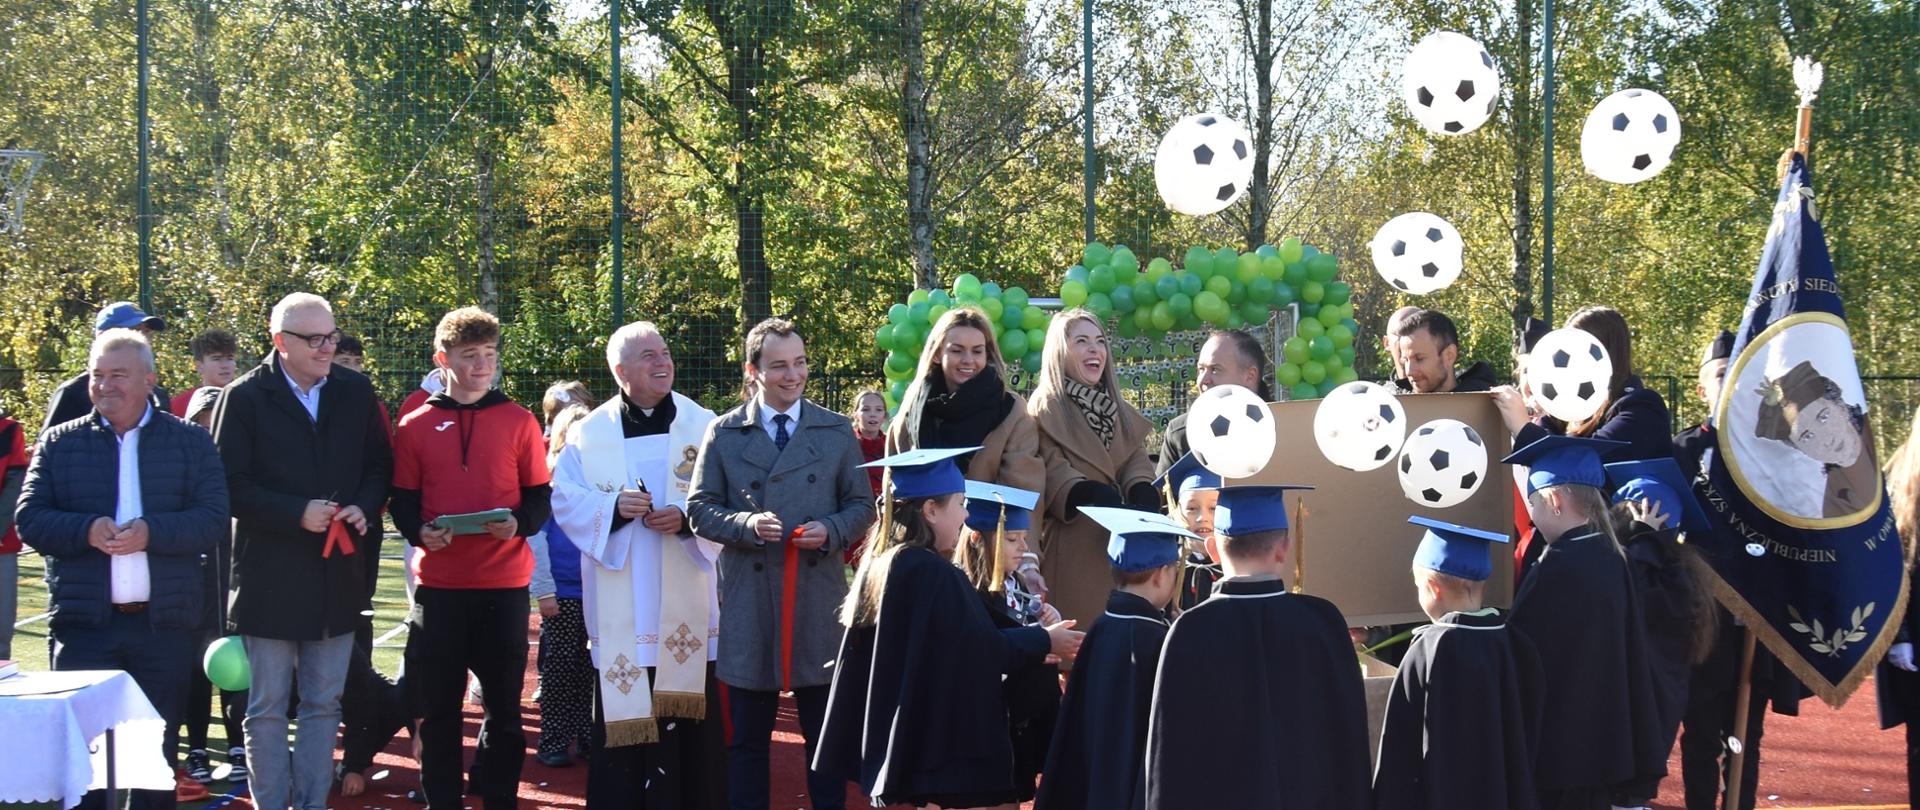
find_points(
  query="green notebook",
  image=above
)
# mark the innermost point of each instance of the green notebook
(471, 522)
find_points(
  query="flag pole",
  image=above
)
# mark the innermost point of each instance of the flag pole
(1807, 75)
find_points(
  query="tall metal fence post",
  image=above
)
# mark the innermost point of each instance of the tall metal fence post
(1546, 182)
(619, 198)
(1086, 109)
(144, 224)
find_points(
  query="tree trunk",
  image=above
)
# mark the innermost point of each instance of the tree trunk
(485, 159)
(1260, 192)
(205, 93)
(746, 64)
(1525, 140)
(913, 103)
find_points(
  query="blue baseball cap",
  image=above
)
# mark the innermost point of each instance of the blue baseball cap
(1186, 475)
(124, 315)
(1251, 508)
(987, 502)
(1139, 541)
(1555, 460)
(926, 472)
(1455, 550)
(1659, 480)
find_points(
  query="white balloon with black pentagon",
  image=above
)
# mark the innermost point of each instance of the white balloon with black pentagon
(1629, 136)
(1230, 431)
(1450, 83)
(1443, 463)
(1203, 164)
(1418, 253)
(1569, 372)
(1360, 426)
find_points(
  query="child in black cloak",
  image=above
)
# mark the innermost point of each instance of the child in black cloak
(1465, 706)
(1600, 731)
(1193, 490)
(915, 714)
(993, 543)
(1098, 760)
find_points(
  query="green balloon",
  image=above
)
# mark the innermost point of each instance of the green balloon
(1035, 339)
(1295, 350)
(1340, 335)
(934, 312)
(1253, 312)
(989, 291)
(1234, 321)
(1288, 374)
(1166, 286)
(1322, 267)
(1309, 310)
(1199, 261)
(1031, 362)
(1100, 305)
(1247, 268)
(1260, 290)
(1158, 267)
(1143, 316)
(1303, 391)
(1220, 285)
(1328, 316)
(1163, 318)
(1295, 274)
(966, 284)
(225, 662)
(1320, 348)
(1345, 355)
(1224, 260)
(1187, 322)
(1100, 279)
(1238, 294)
(1033, 318)
(918, 295)
(1313, 292)
(1309, 328)
(1272, 268)
(1266, 250)
(1326, 386)
(993, 308)
(1073, 293)
(1180, 304)
(1143, 294)
(1291, 250)
(939, 297)
(1123, 260)
(1077, 273)
(1010, 315)
(1345, 375)
(1192, 284)
(1015, 297)
(897, 390)
(899, 366)
(1313, 372)
(1209, 307)
(883, 337)
(1096, 254)
(899, 314)
(1122, 299)
(1283, 295)
(917, 313)
(1128, 327)
(1352, 326)
(1339, 292)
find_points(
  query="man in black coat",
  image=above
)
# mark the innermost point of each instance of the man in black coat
(1429, 347)
(126, 504)
(70, 401)
(308, 463)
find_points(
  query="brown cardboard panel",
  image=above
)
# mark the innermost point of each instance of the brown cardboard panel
(1359, 546)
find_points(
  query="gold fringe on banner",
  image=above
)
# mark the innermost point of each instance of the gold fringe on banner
(642, 731)
(684, 705)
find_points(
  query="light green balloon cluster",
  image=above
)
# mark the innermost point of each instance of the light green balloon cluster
(1017, 327)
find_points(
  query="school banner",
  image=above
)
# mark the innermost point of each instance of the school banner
(1807, 555)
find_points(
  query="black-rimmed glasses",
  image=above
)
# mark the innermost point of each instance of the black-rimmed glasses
(316, 341)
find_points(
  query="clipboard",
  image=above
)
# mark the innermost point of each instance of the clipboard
(471, 522)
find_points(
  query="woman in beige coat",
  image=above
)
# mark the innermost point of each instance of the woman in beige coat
(1094, 446)
(959, 398)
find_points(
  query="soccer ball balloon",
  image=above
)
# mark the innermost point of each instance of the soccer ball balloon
(1203, 164)
(1569, 372)
(1450, 83)
(1629, 136)
(1360, 426)
(1230, 431)
(1418, 253)
(1443, 464)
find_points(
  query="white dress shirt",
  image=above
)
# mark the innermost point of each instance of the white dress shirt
(310, 398)
(130, 579)
(767, 414)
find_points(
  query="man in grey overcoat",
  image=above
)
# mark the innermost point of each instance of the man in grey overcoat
(777, 484)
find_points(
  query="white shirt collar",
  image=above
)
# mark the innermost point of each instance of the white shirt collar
(767, 413)
(296, 385)
(145, 417)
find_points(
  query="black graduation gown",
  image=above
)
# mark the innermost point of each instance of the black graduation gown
(1664, 588)
(1098, 759)
(1600, 727)
(1258, 703)
(915, 713)
(1196, 582)
(1032, 694)
(1461, 720)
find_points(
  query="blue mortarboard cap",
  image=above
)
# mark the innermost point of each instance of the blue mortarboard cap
(1252, 508)
(124, 315)
(926, 472)
(1455, 550)
(1187, 474)
(1139, 541)
(1660, 480)
(985, 502)
(1556, 460)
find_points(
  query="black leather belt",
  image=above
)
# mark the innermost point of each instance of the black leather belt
(130, 607)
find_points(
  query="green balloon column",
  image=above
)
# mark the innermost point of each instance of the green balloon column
(1143, 304)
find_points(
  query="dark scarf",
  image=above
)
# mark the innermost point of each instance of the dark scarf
(635, 422)
(1098, 405)
(962, 417)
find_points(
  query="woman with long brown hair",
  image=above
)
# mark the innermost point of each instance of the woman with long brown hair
(1094, 445)
(1631, 413)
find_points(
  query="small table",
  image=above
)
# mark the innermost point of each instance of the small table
(70, 722)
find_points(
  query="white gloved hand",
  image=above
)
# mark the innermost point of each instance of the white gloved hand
(1901, 655)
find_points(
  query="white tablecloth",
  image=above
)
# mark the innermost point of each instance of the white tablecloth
(57, 724)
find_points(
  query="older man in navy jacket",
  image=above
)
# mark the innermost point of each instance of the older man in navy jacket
(126, 503)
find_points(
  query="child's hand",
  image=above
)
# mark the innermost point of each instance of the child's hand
(1066, 640)
(1036, 584)
(1049, 614)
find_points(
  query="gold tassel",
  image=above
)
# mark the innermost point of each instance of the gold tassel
(885, 537)
(640, 731)
(999, 553)
(684, 705)
(1300, 546)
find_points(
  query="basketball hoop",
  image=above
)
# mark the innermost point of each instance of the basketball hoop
(17, 168)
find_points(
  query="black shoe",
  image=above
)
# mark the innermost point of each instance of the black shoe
(554, 759)
(198, 766)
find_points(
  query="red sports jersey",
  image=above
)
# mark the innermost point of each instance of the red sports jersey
(471, 459)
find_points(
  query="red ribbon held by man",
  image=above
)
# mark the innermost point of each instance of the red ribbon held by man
(790, 580)
(338, 536)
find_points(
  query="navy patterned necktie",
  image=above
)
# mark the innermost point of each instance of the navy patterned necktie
(780, 435)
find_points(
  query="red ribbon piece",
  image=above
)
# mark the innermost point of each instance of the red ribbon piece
(337, 537)
(790, 580)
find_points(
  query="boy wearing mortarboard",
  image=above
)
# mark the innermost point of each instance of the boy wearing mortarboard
(1099, 748)
(1465, 706)
(1258, 700)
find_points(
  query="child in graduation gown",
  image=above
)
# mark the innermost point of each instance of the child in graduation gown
(1465, 706)
(915, 714)
(1192, 490)
(992, 544)
(1258, 700)
(1098, 760)
(1600, 731)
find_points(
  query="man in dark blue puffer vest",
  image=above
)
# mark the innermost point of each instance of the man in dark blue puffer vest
(126, 503)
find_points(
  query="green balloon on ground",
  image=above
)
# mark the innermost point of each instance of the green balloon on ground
(1031, 362)
(1199, 261)
(1303, 391)
(1073, 293)
(1122, 299)
(993, 308)
(1159, 267)
(939, 297)
(225, 662)
(1180, 304)
(899, 314)
(1248, 268)
(1295, 350)
(1320, 348)
(1100, 305)
(883, 337)
(1340, 335)
(1309, 328)
(1290, 250)
(1033, 318)
(1095, 254)
(1313, 371)
(1287, 373)
(1015, 297)
(1191, 284)
(1322, 268)
(1163, 318)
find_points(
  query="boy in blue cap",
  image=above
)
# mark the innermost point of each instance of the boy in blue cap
(1193, 490)
(1600, 734)
(915, 713)
(1098, 756)
(993, 543)
(1258, 700)
(1465, 707)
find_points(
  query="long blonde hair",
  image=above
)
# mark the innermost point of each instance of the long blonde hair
(968, 317)
(1054, 358)
(1903, 486)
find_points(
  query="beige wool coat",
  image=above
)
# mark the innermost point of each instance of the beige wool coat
(1073, 549)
